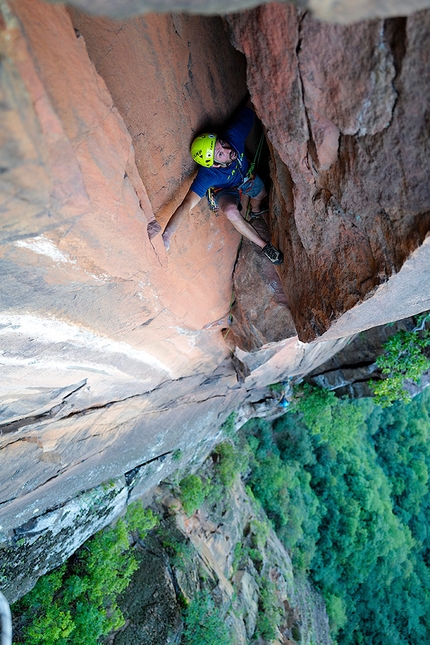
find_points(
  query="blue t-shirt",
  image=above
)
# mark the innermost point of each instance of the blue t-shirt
(233, 175)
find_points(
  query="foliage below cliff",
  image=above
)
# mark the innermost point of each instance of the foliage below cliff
(353, 507)
(77, 603)
(403, 358)
(345, 484)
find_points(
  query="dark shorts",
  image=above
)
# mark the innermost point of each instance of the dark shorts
(252, 188)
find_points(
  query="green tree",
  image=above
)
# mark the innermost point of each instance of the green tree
(363, 509)
(193, 491)
(204, 623)
(76, 604)
(335, 420)
(403, 358)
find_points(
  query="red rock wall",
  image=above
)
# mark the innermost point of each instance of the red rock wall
(346, 113)
(112, 356)
(94, 315)
(75, 209)
(168, 86)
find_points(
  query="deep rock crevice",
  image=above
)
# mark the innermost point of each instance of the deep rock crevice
(353, 113)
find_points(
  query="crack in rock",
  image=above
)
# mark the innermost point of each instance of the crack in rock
(12, 426)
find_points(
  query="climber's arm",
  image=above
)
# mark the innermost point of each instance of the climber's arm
(191, 199)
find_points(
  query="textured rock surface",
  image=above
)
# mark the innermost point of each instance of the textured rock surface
(349, 371)
(151, 604)
(162, 76)
(347, 116)
(88, 300)
(88, 303)
(62, 531)
(188, 554)
(214, 532)
(259, 314)
(112, 354)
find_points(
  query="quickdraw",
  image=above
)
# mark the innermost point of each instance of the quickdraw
(211, 199)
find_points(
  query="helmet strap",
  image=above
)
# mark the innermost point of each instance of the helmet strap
(222, 165)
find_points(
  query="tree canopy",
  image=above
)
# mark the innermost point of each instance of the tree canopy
(345, 484)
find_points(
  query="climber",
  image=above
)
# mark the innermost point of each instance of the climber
(225, 171)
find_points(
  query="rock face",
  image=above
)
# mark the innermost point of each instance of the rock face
(88, 301)
(186, 555)
(348, 373)
(116, 355)
(112, 354)
(62, 531)
(151, 603)
(347, 118)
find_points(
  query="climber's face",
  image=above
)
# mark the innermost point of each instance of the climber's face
(224, 154)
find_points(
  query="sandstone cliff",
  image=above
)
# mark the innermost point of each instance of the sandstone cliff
(114, 354)
(226, 549)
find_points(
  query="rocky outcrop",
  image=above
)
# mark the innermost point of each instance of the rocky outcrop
(186, 555)
(85, 299)
(116, 355)
(151, 604)
(259, 313)
(345, 108)
(62, 531)
(350, 371)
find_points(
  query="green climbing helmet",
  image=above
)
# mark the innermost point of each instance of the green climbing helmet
(203, 149)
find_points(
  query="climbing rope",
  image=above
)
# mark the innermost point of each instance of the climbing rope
(6, 621)
(257, 156)
(251, 169)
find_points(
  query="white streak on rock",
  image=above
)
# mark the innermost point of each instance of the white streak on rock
(41, 364)
(43, 246)
(50, 331)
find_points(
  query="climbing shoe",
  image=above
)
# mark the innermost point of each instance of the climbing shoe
(271, 252)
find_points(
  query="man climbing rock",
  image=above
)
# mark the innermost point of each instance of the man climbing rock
(225, 173)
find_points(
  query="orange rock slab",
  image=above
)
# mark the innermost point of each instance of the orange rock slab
(75, 209)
